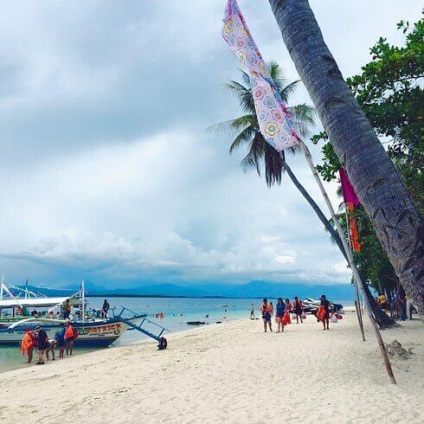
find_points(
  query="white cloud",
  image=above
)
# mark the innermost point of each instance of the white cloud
(285, 259)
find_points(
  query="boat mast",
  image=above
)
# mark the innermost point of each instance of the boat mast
(1, 288)
(1, 295)
(83, 300)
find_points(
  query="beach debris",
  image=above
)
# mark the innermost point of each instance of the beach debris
(395, 349)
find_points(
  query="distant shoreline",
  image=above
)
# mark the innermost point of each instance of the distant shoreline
(168, 296)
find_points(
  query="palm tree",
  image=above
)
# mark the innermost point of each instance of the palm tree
(398, 224)
(248, 133)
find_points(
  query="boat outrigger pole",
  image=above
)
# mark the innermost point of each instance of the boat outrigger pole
(146, 322)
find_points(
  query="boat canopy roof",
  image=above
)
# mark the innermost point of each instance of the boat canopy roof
(32, 303)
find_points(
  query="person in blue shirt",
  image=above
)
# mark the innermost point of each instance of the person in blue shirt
(281, 307)
(60, 340)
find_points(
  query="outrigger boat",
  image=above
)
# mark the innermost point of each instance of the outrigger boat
(93, 331)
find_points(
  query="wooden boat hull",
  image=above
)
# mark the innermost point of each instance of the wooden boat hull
(90, 334)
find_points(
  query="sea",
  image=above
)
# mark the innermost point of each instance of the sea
(176, 313)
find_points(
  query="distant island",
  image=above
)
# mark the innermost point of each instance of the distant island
(253, 290)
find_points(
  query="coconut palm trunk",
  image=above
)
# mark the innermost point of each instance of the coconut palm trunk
(398, 224)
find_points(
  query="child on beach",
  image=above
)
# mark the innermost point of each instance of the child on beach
(280, 314)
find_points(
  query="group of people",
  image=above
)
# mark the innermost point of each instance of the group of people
(38, 339)
(399, 307)
(284, 309)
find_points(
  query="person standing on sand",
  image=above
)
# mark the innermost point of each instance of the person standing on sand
(43, 344)
(280, 308)
(286, 316)
(60, 340)
(289, 310)
(266, 314)
(325, 316)
(298, 309)
(70, 336)
(252, 311)
(27, 344)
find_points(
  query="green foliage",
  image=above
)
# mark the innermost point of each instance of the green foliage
(373, 265)
(331, 165)
(390, 94)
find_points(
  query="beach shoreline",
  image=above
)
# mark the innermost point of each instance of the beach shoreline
(231, 372)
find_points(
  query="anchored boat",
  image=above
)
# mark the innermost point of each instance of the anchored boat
(93, 331)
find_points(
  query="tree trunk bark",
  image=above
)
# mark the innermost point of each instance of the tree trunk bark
(334, 234)
(398, 224)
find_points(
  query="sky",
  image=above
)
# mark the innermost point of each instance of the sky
(107, 171)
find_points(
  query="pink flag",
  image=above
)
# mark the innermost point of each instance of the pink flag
(349, 194)
(275, 123)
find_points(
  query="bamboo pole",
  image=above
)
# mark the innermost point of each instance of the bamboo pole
(359, 315)
(350, 261)
(355, 283)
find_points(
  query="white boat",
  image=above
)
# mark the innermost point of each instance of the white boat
(92, 330)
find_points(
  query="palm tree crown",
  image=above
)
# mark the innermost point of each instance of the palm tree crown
(247, 126)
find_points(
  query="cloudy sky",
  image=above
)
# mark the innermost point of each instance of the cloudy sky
(107, 173)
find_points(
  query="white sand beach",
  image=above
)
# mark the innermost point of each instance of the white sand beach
(231, 373)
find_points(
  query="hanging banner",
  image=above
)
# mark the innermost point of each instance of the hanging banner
(349, 194)
(275, 122)
(353, 229)
(351, 200)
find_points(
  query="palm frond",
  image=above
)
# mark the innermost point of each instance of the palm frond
(243, 94)
(244, 136)
(304, 117)
(233, 125)
(276, 74)
(244, 121)
(289, 89)
(273, 166)
(256, 152)
(246, 79)
(249, 163)
(248, 127)
(222, 127)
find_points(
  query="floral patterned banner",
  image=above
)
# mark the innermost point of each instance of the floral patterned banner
(275, 122)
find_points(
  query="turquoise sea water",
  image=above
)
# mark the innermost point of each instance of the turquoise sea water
(177, 312)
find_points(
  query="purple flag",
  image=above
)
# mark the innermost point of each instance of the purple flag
(349, 194)
(275, 122)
